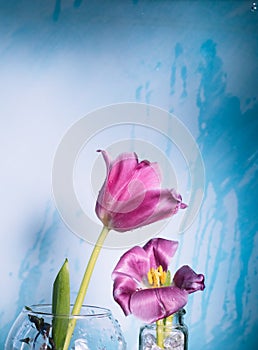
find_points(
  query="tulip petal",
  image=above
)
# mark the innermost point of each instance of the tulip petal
(172, 298)
(185, 278)
(125, 186)
(123, 288)
(150, 305)
(169, 204)
(125, 171)
(134, 264)
(135, 212)
(156, 205)
(120, 174)
(160, 251)
(131, 196)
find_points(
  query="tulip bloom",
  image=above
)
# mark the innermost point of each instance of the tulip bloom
(140, 281)
(131, 195)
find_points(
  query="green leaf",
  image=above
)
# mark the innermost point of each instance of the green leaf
(61, 305)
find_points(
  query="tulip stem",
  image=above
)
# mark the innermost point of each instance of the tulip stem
(84, 285)
(163, 328)
(160, 333)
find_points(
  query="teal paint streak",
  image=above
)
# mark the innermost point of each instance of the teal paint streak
(138, 93)
(178, 65)
(57, 10)
(33, 268)
(229, 147)
(178, 50)
(184, 79)
(33, 264)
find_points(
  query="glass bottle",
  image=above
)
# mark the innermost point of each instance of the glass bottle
(172, 335)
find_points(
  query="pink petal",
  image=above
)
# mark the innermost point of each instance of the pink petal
(125, 175)
(160, 251)
(123, 288)
(134, 264)
(131, 196)
(121, 172)
(139, 198)
(167, 206)
(156, 205)
(135, 212)
(185, 278)
(153, 304)
(125, 185)
(172, 298)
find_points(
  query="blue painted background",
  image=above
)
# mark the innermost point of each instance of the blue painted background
(198, 59)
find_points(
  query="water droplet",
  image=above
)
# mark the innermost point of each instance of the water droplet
(254, 7)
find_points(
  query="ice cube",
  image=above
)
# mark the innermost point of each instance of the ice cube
(149, 342)
(155, 347)
(149, 339)
(151, 347)
(174, 341)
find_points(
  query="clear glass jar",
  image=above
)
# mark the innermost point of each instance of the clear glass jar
(95, 329)
(173, 335)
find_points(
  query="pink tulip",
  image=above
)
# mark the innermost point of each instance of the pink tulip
(131, 195)
(136, 296)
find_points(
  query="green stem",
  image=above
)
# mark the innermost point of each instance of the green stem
(160, 333)
(84, 285)
(163, 327)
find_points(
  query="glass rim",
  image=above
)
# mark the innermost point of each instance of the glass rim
(39, 309)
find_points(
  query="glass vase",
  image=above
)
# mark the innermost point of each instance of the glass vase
(172, 335)
(95, 329)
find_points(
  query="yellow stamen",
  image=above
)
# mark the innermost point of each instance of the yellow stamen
(160, 269)
(157, 277)
(150, 279)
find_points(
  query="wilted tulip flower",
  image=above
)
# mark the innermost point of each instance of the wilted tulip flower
(131, 195)
(142, 284)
